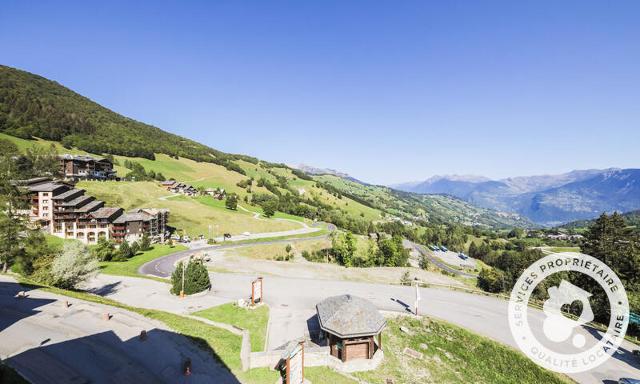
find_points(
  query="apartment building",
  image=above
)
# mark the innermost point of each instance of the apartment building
(79, 167)
(68, 213)
(132, 225)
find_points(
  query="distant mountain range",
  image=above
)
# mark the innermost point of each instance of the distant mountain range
(311, 170)
(546, 200)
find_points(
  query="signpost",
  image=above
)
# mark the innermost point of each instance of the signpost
(417, 296)
(256, 291)
(295, 365)
(634, 318)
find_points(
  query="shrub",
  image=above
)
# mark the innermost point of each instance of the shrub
(124, 252)
(135, 248)
(145, 243)
(405, 279)
(490, 280)
(105, 250)
(196, 278)
(73, 266)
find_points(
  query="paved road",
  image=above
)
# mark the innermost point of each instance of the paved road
(163, 267)
(47, 342)
(481, 314)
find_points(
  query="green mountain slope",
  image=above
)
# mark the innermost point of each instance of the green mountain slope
(631, 218)
(419, 207)
(32, 106)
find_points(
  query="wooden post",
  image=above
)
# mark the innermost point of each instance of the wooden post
(302, 346)
(344, 351)
(288, 371)
(253, 291)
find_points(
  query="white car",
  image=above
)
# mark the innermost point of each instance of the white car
(246, 233)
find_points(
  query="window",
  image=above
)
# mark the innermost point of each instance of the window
(45, 201)
(45, 194)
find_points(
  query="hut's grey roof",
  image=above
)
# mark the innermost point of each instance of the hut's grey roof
(349, 316)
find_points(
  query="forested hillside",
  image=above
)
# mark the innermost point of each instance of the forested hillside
(32, 106)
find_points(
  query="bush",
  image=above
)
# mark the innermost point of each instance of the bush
(73, 266)
(105, 250)
(232, 201)
(135, 248)
(145, 243)
(124, 252)
(196, 278)
(405, 279)
(490, 280)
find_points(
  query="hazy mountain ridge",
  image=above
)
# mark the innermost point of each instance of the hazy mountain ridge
(547, 199)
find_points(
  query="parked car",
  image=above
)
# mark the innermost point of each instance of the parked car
(443, 248)
(434, 248)
(463, 256)
(626, 380)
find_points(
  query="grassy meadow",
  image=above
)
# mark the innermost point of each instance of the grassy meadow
(254, 320)
(451, 355)
(191, 215)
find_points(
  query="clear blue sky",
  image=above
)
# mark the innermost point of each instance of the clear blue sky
(387, 91)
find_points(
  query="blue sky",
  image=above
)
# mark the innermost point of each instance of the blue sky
(387, 91)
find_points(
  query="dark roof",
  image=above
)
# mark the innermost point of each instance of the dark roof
(32, 181)
(132, 216)
(69, 193)
(106, 213)
(92, 206)
(349, 316)
(47, 187)
(83, 158)
(78, 201)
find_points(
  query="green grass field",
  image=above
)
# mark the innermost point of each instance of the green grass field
(271, 251)
(188, 214)
(452, 355)
(130, 267)
(253, 320)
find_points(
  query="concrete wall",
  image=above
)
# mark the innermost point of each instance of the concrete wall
(316, 357)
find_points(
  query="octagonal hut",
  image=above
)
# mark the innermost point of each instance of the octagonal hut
(351, 324)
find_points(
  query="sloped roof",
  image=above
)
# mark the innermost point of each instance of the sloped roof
(106, 212)
(69, 193)
(47, 187)
(92, 206)
(78, 201)
(132, 216)
(349, 316)
(83, 158)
